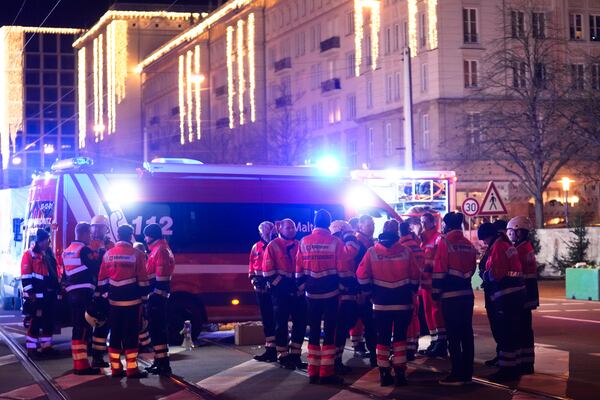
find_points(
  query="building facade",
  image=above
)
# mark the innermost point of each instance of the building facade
(37, 103)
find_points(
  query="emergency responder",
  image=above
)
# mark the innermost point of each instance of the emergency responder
(348, 308)
(263, 296)
(501, 226)
(518, 233)
(389, 270)
(433, 311)
(279, 268)
(81, 266)
(40, 287)
(504, 279)
(159, 268)
(364, 332)
(409, 239)
(318, 265)
(454, 265)
(101, 243)
(124, 281)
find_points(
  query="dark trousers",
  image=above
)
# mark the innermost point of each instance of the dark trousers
(286, 306)
(321, 359)
(157, 326)
(79, 300)
(265, 304)
(492, 318)
(527, 351)
(99, 339)
(125, 326)
(41, 326)
(365, 313)
(388, 322)
(458, 314)
(347, 317)
(509, 331)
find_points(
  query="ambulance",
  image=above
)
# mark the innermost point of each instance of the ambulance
(209, 214)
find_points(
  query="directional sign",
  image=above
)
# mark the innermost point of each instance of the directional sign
(492, 202)
(470, 207)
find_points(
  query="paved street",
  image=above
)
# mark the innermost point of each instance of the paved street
(567, 350)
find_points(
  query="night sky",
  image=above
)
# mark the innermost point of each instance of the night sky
(68, 13)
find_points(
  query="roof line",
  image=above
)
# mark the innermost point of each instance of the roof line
(42, 30)
(192, 33)
(116, 14)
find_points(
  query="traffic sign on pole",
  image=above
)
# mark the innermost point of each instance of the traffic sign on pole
(492, 203)
(470, 207)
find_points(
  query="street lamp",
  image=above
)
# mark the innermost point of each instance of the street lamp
(566, 185)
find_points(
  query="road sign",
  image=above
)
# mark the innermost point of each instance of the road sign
(492, 203)
(470, 207)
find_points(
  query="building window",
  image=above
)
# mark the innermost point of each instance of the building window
(389, 146)
(577, 76)
(317, 115)
(389, 88)
(387, 40)
(369, 93)
(470, 25)
(425, 131)
(335, 113)
(316, 76)
(538, 22)
(350, 107)
(595, 71)
(422, 31)
(397, 87)
(367, 47)
(519, 72)
(352, 153)
(595, 28)
(350, 23)
(371, 142)
(539, 78)
(315, 37)
(396, 46)
(576, 27)
(350, 61)
(424, 77)
(517, 24)
(300, 44)
(470, 71)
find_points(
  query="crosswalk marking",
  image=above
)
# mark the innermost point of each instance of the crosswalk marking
(591, 321)
(8, 359)
(348, 395)
(225, 380)
(370, 382)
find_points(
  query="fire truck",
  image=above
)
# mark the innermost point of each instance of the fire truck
(209, 214)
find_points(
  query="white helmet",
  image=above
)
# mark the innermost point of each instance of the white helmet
(94, 321)
(99, 220)
(519, 223)
(339, 226)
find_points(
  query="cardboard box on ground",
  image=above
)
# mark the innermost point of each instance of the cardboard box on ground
(249, 334)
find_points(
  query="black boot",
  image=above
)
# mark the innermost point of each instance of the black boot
(360, 350)
(440, 349)
(373, 360)
(400, 377)
(385, 377)
(340, 368)
(332, 380)
(527, 369)
(98, 362)
(87, 371)
(505, 374)
(287, 362)
(270, 355)
(162, 368)
(297, 361)
(492, 362)
(410, 355)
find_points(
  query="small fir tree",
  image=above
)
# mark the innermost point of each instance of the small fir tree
(576, 247)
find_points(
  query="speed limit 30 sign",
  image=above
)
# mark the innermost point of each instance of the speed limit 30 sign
(470, 207)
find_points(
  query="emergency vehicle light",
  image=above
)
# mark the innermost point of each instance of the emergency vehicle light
(71, 164)
(187, 161)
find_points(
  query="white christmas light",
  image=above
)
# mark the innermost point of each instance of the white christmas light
(188, 94)
(181, 99)
(432, 19)
(240, 69)
(198, 87)
(230, 88)
(374, 7)
(252, 66)
(81, 96)
(412, 26)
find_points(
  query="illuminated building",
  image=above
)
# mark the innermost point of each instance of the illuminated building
(37, 102)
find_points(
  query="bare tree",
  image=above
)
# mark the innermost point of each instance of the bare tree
(287, 132)
(526, 100)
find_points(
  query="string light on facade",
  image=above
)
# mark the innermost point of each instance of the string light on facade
(251, 66)
(181, 99)
(240, 69)
(230, 87)
(120, 58)
(81, 96)
(110, 78)
(188, 95)
(412, 26)
(374, 7)
(432, 19)
(197, 89)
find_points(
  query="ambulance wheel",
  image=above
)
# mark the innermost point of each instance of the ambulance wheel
(182, 307)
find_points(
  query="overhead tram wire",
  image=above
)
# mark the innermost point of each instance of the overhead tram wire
(41, 24)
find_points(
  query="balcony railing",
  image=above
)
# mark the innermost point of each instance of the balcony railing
(331, 84)
(283, 101)
(331, 43)
(222, 122)
(221, 90)
(282, 64)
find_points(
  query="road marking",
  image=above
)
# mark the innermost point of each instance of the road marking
(225, 380)
(576, 310)
(543, 311)
(591, 321)
(34, 391)
(549, 304)
(370, 382)
(7, 316)
(348, 395)
(8, 359)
